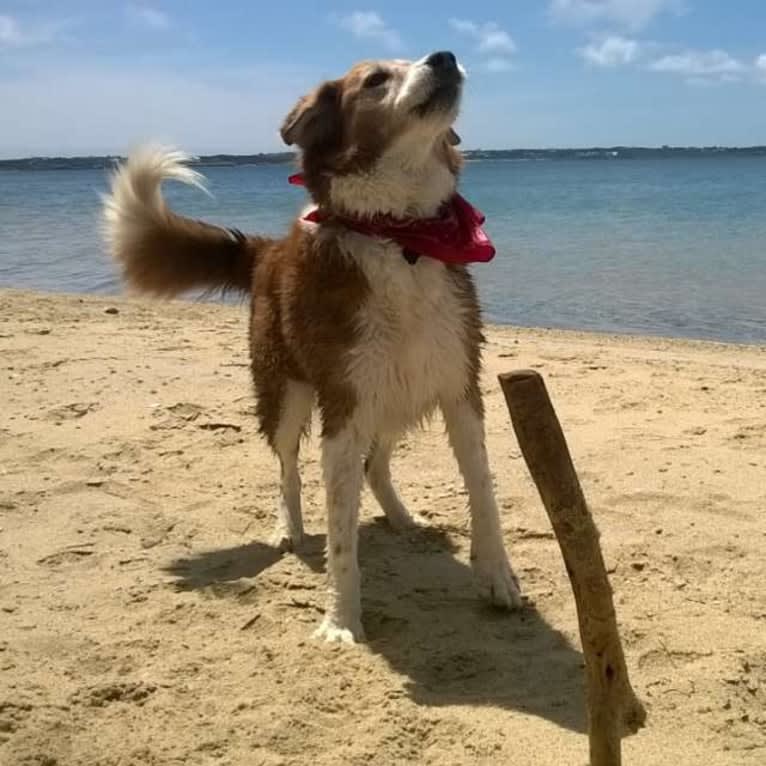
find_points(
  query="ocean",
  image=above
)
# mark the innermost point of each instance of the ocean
(671, 247)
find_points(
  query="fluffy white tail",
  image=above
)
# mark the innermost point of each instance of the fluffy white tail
(163, 253)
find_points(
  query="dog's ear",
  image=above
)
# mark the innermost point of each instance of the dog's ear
(453, 138)
(316, 118)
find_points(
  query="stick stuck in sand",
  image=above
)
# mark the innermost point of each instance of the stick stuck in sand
(613, 708)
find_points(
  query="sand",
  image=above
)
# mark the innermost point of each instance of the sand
(145, 621)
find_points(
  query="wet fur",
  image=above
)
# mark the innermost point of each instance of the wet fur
(340, 321)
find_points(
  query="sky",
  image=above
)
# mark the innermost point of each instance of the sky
(99, 76)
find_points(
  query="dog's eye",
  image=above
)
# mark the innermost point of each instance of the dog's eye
(375, 79)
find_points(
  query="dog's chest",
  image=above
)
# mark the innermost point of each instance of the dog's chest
(411, 340)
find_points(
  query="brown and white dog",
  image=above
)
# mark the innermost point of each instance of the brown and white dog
(340, 320)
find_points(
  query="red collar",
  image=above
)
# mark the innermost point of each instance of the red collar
(454, 236)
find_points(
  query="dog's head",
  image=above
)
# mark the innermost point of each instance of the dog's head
(380, 139)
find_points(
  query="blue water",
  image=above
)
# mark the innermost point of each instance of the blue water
(673, 247)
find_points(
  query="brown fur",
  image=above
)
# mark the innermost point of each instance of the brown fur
(177, 254)
(305, 293)
(321, 330)
(305, 297)
(340, 131)
(474, 335)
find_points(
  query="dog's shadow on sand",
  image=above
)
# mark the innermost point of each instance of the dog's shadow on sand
(421, 613)
(227, 565)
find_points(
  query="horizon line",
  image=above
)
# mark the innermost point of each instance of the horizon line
(287, 153)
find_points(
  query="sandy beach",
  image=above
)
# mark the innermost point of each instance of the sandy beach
(145, 621)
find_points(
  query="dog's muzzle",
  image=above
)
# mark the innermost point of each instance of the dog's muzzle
(447, 78)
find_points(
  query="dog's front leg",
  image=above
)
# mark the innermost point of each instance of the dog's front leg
(465, 427)
(343, 476)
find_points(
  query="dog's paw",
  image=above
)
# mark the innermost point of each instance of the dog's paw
(334, 633)
(496, 581)
(405, 521)
(285, 541)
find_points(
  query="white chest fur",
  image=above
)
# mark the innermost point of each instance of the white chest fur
(411, 348)
(409, 180)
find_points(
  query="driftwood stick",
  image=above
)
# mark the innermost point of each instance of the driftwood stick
(613, 708)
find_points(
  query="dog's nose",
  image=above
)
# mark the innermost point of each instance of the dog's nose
(442, 60)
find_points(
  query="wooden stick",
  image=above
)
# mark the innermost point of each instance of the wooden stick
(613, 708)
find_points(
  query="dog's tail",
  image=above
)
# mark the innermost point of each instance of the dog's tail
(160, 252)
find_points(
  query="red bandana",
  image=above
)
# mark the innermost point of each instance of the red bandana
(454, 236)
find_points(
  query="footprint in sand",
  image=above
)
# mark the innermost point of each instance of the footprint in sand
(71, 411)
(101, 696)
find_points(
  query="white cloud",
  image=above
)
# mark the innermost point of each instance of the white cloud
(490, 37)
(698, 67)
(150, 17)
(629, 14)
(613, 51)
(15, 35)
(369, 25)
(711, 65)
(492, 42)
(496, 41)
(499, 64)
(10, 34)
(464, 26)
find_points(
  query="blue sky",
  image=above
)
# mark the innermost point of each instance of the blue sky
(84, 77)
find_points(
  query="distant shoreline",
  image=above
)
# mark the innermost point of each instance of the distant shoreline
(282, 158)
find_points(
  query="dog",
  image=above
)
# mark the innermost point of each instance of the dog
(372, 333)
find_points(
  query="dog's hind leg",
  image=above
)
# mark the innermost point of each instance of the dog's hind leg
(377, 468)
(465, 427)
(295, 411)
